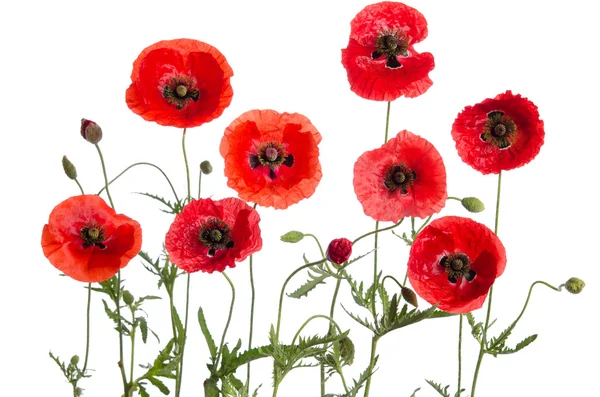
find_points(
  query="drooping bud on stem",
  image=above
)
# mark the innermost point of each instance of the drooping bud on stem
(472, 204)
(574, 285)
(292, 237)
(206, 167)
(91, 131)
(69, 168)
(410, 296)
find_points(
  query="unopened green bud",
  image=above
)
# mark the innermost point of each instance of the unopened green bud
(292, 237)
(472, 204)
(127, 297)
(206, 167)
(347, 350)
(69, 168)
(74, 360)
(410, 296)
(574, 285)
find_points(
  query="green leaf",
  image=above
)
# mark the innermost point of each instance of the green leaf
(364, 323)
(113, 316)
(143, 328)
(438, 388)
(415, 392)
(212, 348)
(159, 385)
(179, 327)
(142, 391)
(309, 285)
(174, 208)
(521, 345)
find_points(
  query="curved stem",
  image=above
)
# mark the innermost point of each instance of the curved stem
(184, 338)
(187, 167)
(454, 198)
(393, 279)
(318, 243)
(460, 327)
(283, 290)
(378, 231)
(87, 331)
(331, 321)
(228, 320)
(80, 188)
(489, 306)
(374, 297)
(423, 225)
(387, 121)
(371, 363)
(252, 293)
(105, 178)
(143, 163)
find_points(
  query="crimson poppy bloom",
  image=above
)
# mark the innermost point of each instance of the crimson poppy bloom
(339, 250)
(380, 59)
(272, 158)
(499, 134)
(454, 261)
(404, 177)
(211, 235)
(86, 240)
(180, 83)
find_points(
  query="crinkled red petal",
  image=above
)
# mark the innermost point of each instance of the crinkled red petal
(292, 184)
(445, 236)
(165, 59)
(425, 197)
(487, 158)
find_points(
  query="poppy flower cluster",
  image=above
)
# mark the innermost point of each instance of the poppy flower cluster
(404, 177)
(380, 59)
(88, 241)
(212, 235)
(180, 83)
(271, 158)
(454, 261)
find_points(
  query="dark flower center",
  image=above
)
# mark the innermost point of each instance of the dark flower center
(215, 234)
(390, 44)
(271, 155)
(457, 265)
(398, 177)
(180, 90)
(93, 236)
(499, 130)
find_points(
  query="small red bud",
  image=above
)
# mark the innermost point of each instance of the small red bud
(339, 250)
(91, 131)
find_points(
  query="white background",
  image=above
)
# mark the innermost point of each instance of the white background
(63, 61)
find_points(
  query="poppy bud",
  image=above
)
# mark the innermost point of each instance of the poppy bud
(292, 237)
(91, 131)
(472, 204)
(69, 168)
(347, 350)
(74, 360)
(410, 296)
(206, 167)
(574, 285)
(128, 297)
(339, 250)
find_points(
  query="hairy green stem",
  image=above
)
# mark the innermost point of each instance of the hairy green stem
(187, 167)
(228, 320)
(378, 231)
(460, 327)
(489, 306)
(143, 163)
(87, 328)
(252, 298)
(371, 364)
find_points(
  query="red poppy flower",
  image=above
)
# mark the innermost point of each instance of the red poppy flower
(339, 250)
(212, 235)
(180, 83)
(454, 261)
(380, 59)
(271, 158)
(499, 134)
(86, 240)
(404, 177)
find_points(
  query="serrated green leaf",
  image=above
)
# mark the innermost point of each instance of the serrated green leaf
(308, 286)
(174, 208)
(364, 323)
(521, 345)
(143, 328)
(159, 385)
(179, 327)
(212, 348)
(438, 388)
(142, 391)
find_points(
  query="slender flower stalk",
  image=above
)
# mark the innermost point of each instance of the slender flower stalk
(489, 307)
(252, 301)
(187, 292)
(460, 327)
(228, 319)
